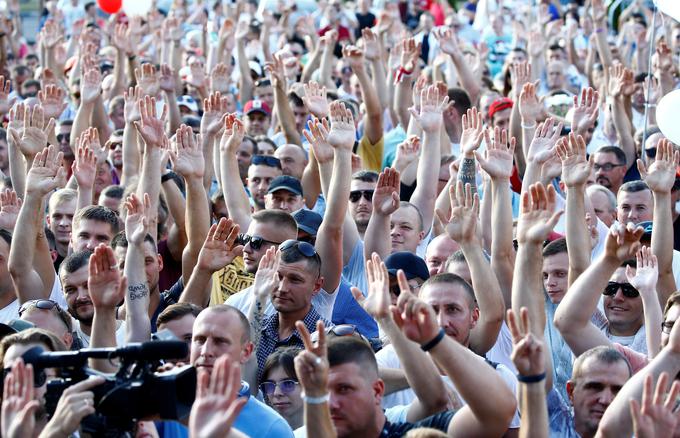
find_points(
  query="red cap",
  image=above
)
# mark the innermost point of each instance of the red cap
(256, 106)
(499, 105)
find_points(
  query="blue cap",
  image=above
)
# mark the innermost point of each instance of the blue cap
(308, 221)
(285, 182)
(412, 265)
(648, 227)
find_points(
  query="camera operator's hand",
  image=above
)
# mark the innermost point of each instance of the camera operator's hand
(76, 403)
(18, 402)
(217, 403)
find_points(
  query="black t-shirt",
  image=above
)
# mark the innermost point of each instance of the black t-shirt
(397, 430)
(364, 20)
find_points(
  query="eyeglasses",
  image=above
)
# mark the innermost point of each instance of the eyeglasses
(256, 242)
(46, 305)
(628, 289)
(651, 152)
(286, 386)
(346, 70)
(667, 326)
(266, 160)
(396, 290)
(355, 195)
(62, 137)
(607, 167)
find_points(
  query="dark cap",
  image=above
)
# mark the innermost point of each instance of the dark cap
(412, 265)
(285, 182)
(308, 221)
(14, 326)
(647, 226)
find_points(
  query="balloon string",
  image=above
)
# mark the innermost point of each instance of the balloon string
(652, 44)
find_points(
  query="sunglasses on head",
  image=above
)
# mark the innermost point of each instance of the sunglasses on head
(628, 290)
(266, 160)
(304, 248)
(349, 330)
(286, 386)
(256, 242)
(355, 195)
(44, 305)
(651, 152)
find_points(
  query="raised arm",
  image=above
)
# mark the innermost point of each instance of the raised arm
(644, 280)
(235, 195)
(373, 122)
(137, 290)
(84, 169)
(497, 163)
(461, 226)
(30, 280)
(432, 104)
(448, 44)
(575, 172)
(470, 140)
(660, 178)
(572, 317)
(90, 91)
(246, 84)
(385, 202)
(131, 154)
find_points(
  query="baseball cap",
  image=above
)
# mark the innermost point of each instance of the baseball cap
(412, 265)
(188, 102)
(499, 105)
(308, 221)
(285, 182)
(14, 326)
(648, 226)
(256, 106)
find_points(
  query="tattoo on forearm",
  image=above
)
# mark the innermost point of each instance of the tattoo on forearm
(256, 324)
(468, 173)
(138, 291)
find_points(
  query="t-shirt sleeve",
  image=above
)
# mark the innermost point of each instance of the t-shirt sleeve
(371, 154)
(280, 428)
(636, 360)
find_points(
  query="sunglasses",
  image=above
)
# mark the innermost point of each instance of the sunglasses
(62, 137)
(266, 160)
(355, 195)
(628, 290)
(667, 326)
(607, 167)
(115, 145)
(256, 242)
(651, 152)
(286, 386)
(349, 330)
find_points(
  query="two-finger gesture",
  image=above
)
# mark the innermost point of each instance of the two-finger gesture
(311, 365)
(660, 176)
(528, 351)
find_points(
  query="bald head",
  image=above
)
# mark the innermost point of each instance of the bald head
(293, 159)
(439, 249)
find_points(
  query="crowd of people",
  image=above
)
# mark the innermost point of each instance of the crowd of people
(372, 219)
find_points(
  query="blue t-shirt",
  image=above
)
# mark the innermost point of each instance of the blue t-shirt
(258, 419)
(347, 311)
(354, 272)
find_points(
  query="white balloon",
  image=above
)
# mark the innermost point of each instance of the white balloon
(670, 7)
(667, 116)
(137, 7)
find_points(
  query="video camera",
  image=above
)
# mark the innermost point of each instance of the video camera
(134, 392)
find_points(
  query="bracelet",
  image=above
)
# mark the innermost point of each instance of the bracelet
(531, 379)
(433, 343)
(650, 105)
(532, 126)
(170, 175)
(315, 400)
(401, 73)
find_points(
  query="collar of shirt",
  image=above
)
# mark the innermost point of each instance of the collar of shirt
(270, 326)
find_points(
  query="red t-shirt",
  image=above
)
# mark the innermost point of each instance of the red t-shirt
(343, 32)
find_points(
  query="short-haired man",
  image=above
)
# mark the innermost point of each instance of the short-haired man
(47, 315)
(634, 203)
(293, 159)
(284, 193)
(62, 208)
(603, 202)
(610, 167)
(362, 187)
(262, 171)
(224, 330)
(179, 320)
(93, 225)
(257, 117)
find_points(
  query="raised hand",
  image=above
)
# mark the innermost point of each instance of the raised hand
(84, 167)
(131, 109)
(120, 38)
(90, 85)
(315, 99)
(448, 42)
(35, 131)
(47, 172)
(150, 126)
(136, 221)
(51, 34)
(585, 111)
(410, 51)
(19, 402)
(545, 138)
(267, 275)
(355, 56)
(461, 224)
(167, 80)
(473, 132)
(386, 194)
(623, 241)
(664, 57)
(432, 106)
(219, 79)
(343, 133)
(311, 365)
(575, 167)
(212, 121)
(530, 108)
(217, 403)
(371, 44)
(407, 153)
(52, 101)
(105, 283)
(660, 176)
(276, 72)
(197, 76)
(620, 79)
(521, 75)
(537, 215)
(646, 271)
(377, 302)
(10, 204)
(528, 351)
(219, 248)
(186, 154)
(317, 136)
(498, 158)
(413, 316)
(148, 79)
(5, 102)
(233, 135)
(656, 417)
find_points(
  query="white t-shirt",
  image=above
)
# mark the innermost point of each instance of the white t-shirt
(121, 332)
(387, 358)
(11, 311)
(323, 302)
